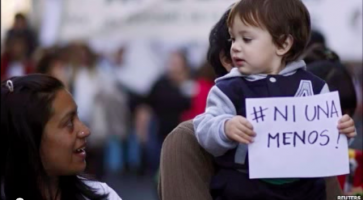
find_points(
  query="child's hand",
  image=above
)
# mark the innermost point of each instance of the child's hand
(346, 126)
(239, 129)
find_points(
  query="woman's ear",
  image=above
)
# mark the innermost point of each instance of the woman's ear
(286, 46)
(227, 64)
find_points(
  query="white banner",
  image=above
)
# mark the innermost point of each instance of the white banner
(132, 19)
(297, 137)
(341, 24)
(340, 21)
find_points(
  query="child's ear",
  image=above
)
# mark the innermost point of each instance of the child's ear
(286, 45)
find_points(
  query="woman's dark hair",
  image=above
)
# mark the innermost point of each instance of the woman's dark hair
(318, 52)
(25, 110)
(218, 43)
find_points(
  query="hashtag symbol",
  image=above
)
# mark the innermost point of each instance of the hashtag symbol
(258, 114)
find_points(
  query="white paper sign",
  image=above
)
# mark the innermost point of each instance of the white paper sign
(297, 137)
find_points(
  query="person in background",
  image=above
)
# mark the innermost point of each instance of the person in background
(316, 56)
(21, 27)
(337, 76)
(43, 145)
(88, 79)
(170, 95)
(203, 83)
(169, 98)
(14, 60)
(316, 38)
(110, 120)
(112, 117)
(51, 63)
(326, 64)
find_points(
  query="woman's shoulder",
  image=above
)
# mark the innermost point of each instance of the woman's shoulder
(102, 188)
(181, 136)
(186, 126)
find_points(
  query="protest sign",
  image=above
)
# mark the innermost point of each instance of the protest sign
(297, 137)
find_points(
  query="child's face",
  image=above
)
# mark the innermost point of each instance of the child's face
(253, 50)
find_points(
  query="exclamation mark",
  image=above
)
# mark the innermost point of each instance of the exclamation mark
(338, 140)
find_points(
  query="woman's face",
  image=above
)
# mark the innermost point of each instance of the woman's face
(63, 142)
(18, 48)
(226, 62)
(177, 69)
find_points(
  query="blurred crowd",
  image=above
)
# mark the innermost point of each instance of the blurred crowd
(128, 128)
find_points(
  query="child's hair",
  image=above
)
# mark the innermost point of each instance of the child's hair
(281, 18)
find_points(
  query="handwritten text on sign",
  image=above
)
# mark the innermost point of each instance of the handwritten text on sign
(297, 137)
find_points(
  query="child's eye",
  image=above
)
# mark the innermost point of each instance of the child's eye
(247, 40)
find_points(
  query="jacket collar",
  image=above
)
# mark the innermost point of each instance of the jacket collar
(289, 70)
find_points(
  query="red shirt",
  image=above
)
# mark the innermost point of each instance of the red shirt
(199, 101)
(5, 62)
